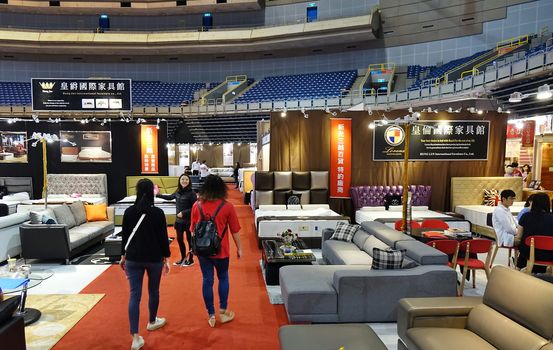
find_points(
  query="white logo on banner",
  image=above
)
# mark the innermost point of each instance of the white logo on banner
(253, 153)
(228, 159)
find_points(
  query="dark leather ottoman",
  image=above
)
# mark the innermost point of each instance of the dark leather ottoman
(329, 336)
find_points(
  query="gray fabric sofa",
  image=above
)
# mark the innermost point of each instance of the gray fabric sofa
(347, 290)
(9, 234)
(66, 239)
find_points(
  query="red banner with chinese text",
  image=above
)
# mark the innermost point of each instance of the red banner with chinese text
(148, 145)
(513, 132)
(528, 131)
(340, 157)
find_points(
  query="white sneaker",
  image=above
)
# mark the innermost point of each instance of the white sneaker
(137, 344)
(158, 323)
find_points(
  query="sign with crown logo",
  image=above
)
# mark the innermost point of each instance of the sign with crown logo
(72, 95)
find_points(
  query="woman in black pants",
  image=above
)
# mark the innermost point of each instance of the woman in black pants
(185, 198)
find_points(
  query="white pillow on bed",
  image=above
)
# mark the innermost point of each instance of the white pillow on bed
(18, 196)
(315, 206)
(272, 207)
(420, 207)
(294, 207)
(395, 208)
(379, 208)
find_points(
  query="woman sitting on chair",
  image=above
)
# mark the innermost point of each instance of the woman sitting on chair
(537, 222)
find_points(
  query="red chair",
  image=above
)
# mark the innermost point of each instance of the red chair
(475, 246)
(541, 243)
(449, 247)
(435, 223)
(398, 225)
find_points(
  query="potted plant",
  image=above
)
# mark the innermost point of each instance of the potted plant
(288, 237)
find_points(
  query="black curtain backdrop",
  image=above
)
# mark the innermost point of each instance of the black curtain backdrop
(301, 144)
(125, 146)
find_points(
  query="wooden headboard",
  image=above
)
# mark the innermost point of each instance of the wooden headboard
(166, 184)
(18, 184)
(470, 190)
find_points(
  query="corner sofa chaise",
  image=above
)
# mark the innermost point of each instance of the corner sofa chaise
(348, 290)
(70, 236)
(10, 243)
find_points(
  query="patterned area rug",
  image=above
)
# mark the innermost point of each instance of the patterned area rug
(59, 314)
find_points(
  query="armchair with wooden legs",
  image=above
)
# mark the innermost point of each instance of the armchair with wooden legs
(475, 246)
(542, 243)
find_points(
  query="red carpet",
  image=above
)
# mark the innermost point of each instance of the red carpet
(255, 326)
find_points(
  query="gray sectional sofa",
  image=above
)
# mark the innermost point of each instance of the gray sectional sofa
(347, 290)
(10, 245)
(71, 235)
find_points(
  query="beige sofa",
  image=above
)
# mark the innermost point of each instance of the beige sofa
(515, 313)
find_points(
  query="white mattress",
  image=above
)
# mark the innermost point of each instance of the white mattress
(477, 214)
(417, 214)
(295, 212)
(58, 199)
(168, 207)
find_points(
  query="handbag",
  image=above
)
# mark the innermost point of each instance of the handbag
(134, 231)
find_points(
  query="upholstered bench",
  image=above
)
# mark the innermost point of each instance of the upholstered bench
(329, 336)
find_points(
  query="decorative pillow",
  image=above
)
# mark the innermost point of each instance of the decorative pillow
(96, 212)
(48, 220)
(491, 198)
(392, 199)
(344, 232)
(8, 307)
(64, 216)
(36, 217)
(293, 198)
(372, 208)
(79, 212)
(387, 259)
(373, 242)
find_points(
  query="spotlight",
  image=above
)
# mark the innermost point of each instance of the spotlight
(370, 111)
(283, 113)
(499, 110)
(480, 112)
(472, 110)
(516, 97)
(410, 110)
(544, 92)
(416, 115)
(450, 110)
(371, 125)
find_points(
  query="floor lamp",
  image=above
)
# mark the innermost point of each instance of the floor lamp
(44, 139)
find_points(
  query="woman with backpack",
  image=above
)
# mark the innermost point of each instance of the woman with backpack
(212, 206)
(144, 248)
(185, 199)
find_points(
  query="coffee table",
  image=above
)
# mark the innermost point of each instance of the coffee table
(30, 315)
(274, 258)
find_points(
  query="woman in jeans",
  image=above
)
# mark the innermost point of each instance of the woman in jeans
(147, 251)
(212, 198)
(185, 199)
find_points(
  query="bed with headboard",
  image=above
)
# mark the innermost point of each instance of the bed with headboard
(69, 188)
(467, 196)
(18, 189)
(165, 184)
(369, 205)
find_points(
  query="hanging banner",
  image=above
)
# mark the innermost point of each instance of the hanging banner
(513, 132)
(81, 94)
(253, 153)
(444, 140)
(228, 159)
(340, 157)
(184, 155)
(148, 142)
(528, 132)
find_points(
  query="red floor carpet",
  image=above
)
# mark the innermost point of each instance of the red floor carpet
(255, 326)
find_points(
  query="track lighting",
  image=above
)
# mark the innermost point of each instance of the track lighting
(516, 97)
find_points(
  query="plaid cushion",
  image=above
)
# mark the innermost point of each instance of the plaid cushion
(344, 232)
(387, 259)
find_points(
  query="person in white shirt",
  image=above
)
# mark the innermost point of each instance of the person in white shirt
(503, 221)
(204, 170)
(195, 167)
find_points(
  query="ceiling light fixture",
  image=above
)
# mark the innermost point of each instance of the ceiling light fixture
(544, 92)
(516, 97)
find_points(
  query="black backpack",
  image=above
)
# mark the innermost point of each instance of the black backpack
(206, 241)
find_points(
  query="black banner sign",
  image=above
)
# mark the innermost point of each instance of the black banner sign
(81, 94)
(442, 140)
